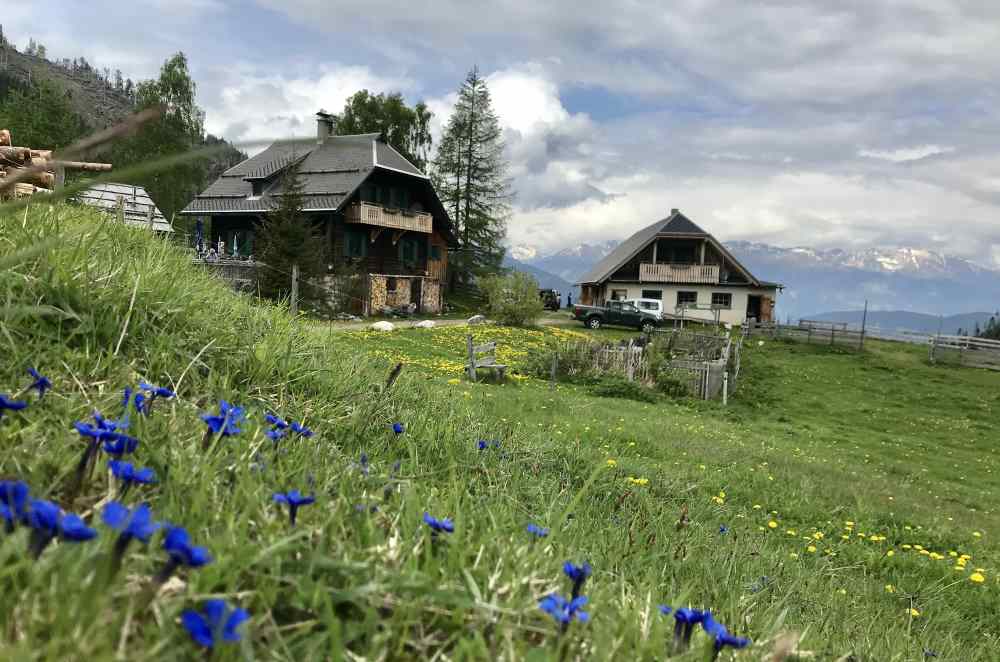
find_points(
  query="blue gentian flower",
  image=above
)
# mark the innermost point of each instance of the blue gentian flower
(157, 391)
(7, 404)
(73, 529)
(13, 502)
(665, 610)
(129, 475)
(684, 621)
(537, 531)
(482, 444)
(723, 529)
(443, 525)
(398, 428)
(140, 404)
(108, 424)
(301, 430)
(135, 524)
(226, 423)
(177, 545)
(721, 635)
(363, 464)
(577, 574)
(122, 444)
(41, 383)
(277, 422)
(294, 499)
(43, 517)
(215, 623)
(564, 611)
(275, 434)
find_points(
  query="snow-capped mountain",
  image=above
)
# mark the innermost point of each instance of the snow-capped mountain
(820, 280)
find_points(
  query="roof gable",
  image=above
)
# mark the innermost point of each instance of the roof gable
(675, 225)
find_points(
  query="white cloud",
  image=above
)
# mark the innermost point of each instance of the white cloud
(905, 154)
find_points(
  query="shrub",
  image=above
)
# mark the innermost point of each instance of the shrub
(512, 299)
(614, 386)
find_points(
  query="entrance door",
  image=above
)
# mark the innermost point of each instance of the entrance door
(415, 290)
(753, 307)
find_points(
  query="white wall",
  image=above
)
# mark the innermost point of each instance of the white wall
(735, 315)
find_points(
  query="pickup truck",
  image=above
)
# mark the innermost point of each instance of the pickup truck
(616, 313)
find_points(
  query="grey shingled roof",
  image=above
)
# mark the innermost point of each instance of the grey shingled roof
(675, 225)
(329, 173)
(136, 204)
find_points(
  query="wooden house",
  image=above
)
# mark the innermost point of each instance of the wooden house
(371, 208)
(687, 269)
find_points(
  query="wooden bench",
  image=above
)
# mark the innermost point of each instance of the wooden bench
(483, 356)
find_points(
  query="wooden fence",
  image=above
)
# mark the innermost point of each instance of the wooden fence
(965, 351)
(815, 335)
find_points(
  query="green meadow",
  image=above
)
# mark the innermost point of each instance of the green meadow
(845, 501)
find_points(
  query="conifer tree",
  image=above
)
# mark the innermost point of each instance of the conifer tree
(287, 237)
(470, 173)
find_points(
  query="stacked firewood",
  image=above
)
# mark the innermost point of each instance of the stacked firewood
(25, 171)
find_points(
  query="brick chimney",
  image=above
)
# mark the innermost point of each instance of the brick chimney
(324, 126)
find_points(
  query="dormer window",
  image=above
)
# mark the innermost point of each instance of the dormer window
(257, 188)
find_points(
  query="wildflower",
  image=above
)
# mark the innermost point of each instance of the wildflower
(632, 480)
(47, 520)
(684, 621)
(215, 623)
(577, 574)
(723, 529)
(564, 611)
(665, 610)
(180, 552)
(120, 444)
(443, 525)
(811, 549)
(721, 635)
(41, 383)
(398, 428)
(226, 422)
(275, 434)
(890, 553)
(772, 525)
(129, 475)
(13, 502)
(301, 430)
(294, 499)
(914, 613)
(977, 577)
(8, 404)
(482, 444)
(157, 391)
(276, 421)
(136, 524)
(977, 534)
(537, 531)
(363, 464)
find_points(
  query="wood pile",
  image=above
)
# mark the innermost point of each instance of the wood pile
(25, 171)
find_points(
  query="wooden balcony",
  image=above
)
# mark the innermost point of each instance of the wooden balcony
(679, 273)
(386, 217)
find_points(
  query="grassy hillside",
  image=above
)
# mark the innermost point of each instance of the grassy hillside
(814, 440)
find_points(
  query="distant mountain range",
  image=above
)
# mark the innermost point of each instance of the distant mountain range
(892, 320)
(899, 284)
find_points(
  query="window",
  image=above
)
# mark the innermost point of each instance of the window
(648, 305)
(410, 250)
(687, 298)
(355, 244)
(390, 284)
(618, 295)
(435, 252)
(652, 294)
(722, 300)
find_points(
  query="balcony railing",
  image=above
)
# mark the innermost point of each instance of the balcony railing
(679, 273)
(387, 217)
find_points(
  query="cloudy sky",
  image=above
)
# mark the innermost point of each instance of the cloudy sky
(828, 124)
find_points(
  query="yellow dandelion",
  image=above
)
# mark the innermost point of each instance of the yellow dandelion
(811, 549)
(977, 534)
(791, 532)
(842, 591)
(772, 525)
(818, 535)
(889, 588)
(914, 613)
(794, 555)
(612, 463)
(891, 552)
(977, 578)
(756, 506)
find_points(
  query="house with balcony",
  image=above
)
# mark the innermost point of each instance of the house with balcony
(371, 208)
(689, 270)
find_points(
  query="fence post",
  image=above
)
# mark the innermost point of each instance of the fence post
(833, 333)
(295, 289)
(864, 320)
(725, 388)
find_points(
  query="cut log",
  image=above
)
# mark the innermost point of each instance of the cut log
(23, 190)
(37, 162)
(36, 177)
(4, 138)
(41, 154)
(15, 155)
(83, 165)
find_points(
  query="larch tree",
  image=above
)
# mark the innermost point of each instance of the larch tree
(470, 174)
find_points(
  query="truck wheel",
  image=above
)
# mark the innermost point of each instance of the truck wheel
(594, 323)
(648, 327)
